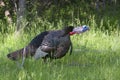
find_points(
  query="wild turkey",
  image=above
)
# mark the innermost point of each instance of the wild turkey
(44, 42)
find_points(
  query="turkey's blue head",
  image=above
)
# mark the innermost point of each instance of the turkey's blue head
(80, 29)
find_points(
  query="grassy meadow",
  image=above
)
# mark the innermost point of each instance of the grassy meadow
(95, 57)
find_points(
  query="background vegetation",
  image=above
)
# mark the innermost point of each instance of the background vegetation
(96, 54)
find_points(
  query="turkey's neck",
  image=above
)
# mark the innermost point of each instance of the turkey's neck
(72, 33)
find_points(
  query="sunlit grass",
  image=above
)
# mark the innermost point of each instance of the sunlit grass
(95, 57)
(95, 54)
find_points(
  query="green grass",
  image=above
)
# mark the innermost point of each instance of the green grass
(95, 57)
(96, 54)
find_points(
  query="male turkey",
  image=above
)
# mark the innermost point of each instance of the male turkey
(57, 42)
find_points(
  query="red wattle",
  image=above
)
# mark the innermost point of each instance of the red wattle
(71, 33)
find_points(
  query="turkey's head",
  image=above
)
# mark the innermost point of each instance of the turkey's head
(80, 29)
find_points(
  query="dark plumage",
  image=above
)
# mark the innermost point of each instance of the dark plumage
(36, 42)
(57, 43)
(44, 38)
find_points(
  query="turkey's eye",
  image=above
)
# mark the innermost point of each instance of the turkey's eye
(85, 27)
